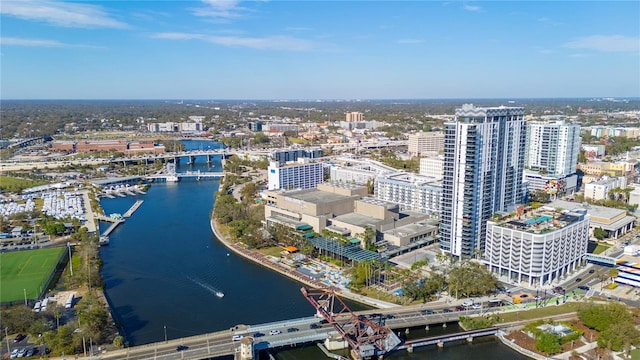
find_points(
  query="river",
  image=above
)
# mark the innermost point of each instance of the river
(163, 267)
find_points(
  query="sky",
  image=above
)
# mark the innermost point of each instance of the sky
(308, 50)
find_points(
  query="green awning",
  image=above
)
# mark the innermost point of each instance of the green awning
(304, 227)
(309, 235)
(354, 241)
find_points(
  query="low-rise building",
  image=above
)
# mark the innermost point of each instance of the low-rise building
(432, 167)
(615, 222)
(537, 247)
(599, 190)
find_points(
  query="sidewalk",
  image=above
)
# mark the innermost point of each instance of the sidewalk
(291, 273)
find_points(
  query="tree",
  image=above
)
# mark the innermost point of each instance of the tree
(118, 341)
(620, 336)
(471, 279)
(599, 233)
(548, 343)
(600, 317)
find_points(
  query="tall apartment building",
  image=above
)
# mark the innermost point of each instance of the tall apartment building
(353, 116)
(300, 175)
(412, 192)
(482, 175)
(539, 247)
(552, 148)
(425, 143)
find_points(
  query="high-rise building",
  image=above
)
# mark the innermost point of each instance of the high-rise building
(353, 116)
(552, 147)
(482, 173)
(423, 143)
(300, 175)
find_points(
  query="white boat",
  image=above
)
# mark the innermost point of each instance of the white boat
(219, 294)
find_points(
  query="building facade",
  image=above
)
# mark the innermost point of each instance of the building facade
(432, 167)
(539, 248)
(301, 175)
(412, 192)
(482, 174)
(293, 154)
(353, 116)
(599, 190)
(423, 143)
(552, 148)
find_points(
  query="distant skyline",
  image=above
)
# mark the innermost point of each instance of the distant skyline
(318, 49)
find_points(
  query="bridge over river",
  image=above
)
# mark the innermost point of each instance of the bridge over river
(292, 332)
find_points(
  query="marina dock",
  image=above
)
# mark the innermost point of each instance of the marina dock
(133, 208)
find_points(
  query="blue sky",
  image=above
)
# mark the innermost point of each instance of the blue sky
(318, 49)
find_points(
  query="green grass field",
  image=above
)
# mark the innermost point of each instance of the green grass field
(26, 270)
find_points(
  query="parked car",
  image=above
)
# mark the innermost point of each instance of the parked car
(237, 337)
(258, 334)
(19, 338)
(181, 347)
(476, 306)
(427, 312)
(292, 329)
(583, 287)
(592, 271)
(578, 279)
(314, 326)
(459, 308)
(274, 332)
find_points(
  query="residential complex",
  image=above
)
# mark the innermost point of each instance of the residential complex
(425, 143)
(295, 175)
(483, 163)
(552, 147)
(412, 192)
(537, 247)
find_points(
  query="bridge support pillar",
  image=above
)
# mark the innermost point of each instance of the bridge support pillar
(444, 325)
(335, 342)
(246, 349)
(440, 344)
(426, 327)
(469, 339)
(208, 159)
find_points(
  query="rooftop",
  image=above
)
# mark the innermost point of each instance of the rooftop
(314, 196)
(542, 220)
(413, 229)
(357, 219)
(593, 210)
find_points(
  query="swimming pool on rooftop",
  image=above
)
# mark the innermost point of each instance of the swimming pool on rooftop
(539, 220)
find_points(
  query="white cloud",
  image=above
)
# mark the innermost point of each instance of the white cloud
(472, 8)
(548, 21)
(222, 10)
(578, 55)
(261, 43)
(297, 28)
(61, 13)
(40, 43)
(607, 43)
(410, 41)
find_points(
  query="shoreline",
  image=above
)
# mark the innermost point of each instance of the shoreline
(262, 260)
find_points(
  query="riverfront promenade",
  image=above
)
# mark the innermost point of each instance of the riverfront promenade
(263, 260)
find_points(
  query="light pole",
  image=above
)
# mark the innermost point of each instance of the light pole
(70, 262)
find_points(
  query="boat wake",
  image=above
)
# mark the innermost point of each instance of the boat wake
(208, 287)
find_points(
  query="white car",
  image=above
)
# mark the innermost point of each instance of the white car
(467, 303)
(237, 337)
(274, 332)
(476, 306)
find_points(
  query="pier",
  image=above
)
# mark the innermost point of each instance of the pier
(133, 209)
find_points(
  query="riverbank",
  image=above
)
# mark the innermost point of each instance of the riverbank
(263, 260)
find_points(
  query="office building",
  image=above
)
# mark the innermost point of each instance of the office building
(300, 175)
(537, 247)
(482, 174)
(425, 143)
(552, 148)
